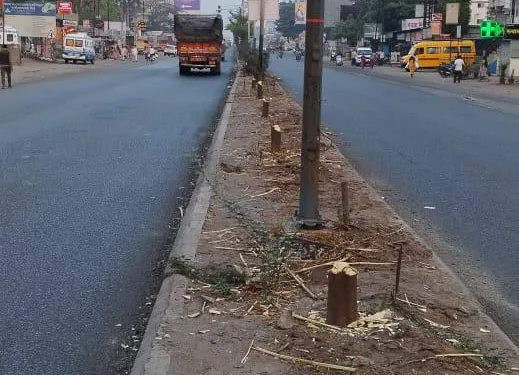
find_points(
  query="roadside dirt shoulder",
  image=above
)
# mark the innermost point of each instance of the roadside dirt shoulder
(33, 70)
(257, 292)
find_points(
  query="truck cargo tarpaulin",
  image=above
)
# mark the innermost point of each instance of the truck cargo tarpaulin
(198, 28)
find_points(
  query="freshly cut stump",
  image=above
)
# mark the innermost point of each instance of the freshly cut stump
(342, 295)
(275, 138)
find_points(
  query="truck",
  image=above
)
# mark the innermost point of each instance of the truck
(141, 45)
(199, 42)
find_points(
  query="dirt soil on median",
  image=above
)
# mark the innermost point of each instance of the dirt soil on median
(243, 296)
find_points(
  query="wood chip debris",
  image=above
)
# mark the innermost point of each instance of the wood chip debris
(305, 361)
(194, 315)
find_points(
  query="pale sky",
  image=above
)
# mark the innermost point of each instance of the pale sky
(210, 6)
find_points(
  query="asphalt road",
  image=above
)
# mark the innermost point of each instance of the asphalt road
(421, 146)
(90, 170)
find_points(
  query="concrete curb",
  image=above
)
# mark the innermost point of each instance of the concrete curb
(153, 359)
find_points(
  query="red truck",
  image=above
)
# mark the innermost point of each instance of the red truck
(199, 42)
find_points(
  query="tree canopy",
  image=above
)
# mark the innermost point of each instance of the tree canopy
(238, 26)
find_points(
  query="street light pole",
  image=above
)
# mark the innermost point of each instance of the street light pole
(310, 143)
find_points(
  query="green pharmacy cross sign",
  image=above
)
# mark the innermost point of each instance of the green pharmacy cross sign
(489, 29)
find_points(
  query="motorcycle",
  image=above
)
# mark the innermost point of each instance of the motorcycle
(445, 70)
(280, 54)
(339, 61)
(298, 56)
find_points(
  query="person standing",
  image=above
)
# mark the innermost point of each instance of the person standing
(5, 66)
(412, 65)
(135, 53)
(458, 69)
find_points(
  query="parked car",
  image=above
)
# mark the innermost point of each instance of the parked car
(170, 50)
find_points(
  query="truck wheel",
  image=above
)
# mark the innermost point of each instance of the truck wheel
(92, 61)
(74, 61)
(66, 61)
(183, 70)
(223, 58)
(216, 71)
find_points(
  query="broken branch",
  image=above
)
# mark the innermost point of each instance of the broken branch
(301, 283)
(305, 361)
(246, 356)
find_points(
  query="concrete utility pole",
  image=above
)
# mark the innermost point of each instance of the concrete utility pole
(309, 182)
(260, 48)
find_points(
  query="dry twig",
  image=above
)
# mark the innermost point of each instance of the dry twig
(246, 356)
(318, 323)
(301, 283)
(305, 361)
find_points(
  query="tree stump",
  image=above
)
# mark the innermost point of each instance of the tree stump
(345, 203)
(275, 138)
(260, 90)
(265, 108)
(254, 83)
(342, 295)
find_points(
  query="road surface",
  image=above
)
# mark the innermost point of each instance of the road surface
(90, 170)
(424, 146)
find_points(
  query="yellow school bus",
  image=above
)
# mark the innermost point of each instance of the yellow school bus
(431, 53)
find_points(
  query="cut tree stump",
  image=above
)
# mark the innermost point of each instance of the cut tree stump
(265, 108)
(260, 90)
(275, 138)
(345, 203)
(342, 295)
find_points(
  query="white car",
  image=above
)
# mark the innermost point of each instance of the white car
(170, 50)
(362, 51)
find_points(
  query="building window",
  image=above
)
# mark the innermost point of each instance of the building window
(10, 37)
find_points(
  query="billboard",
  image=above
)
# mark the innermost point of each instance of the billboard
(452, 13)
(270, 10)
(32, 19)
(300, 12)
(188, 6)
(64, 7)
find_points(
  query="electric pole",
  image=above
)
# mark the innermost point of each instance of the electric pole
(261, 63)
(310, 144)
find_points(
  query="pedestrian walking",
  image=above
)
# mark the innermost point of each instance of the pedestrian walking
(362, 61)
(412, 65)
(6, 68)
(135, 54)
(459, 64)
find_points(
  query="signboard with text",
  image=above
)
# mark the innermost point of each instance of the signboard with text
(31, 19)
(64, 7)
(412, 24)
(512, 31)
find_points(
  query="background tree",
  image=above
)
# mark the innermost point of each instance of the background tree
(286, 23)
(350, 29)
(161, 16)
(238, 25)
